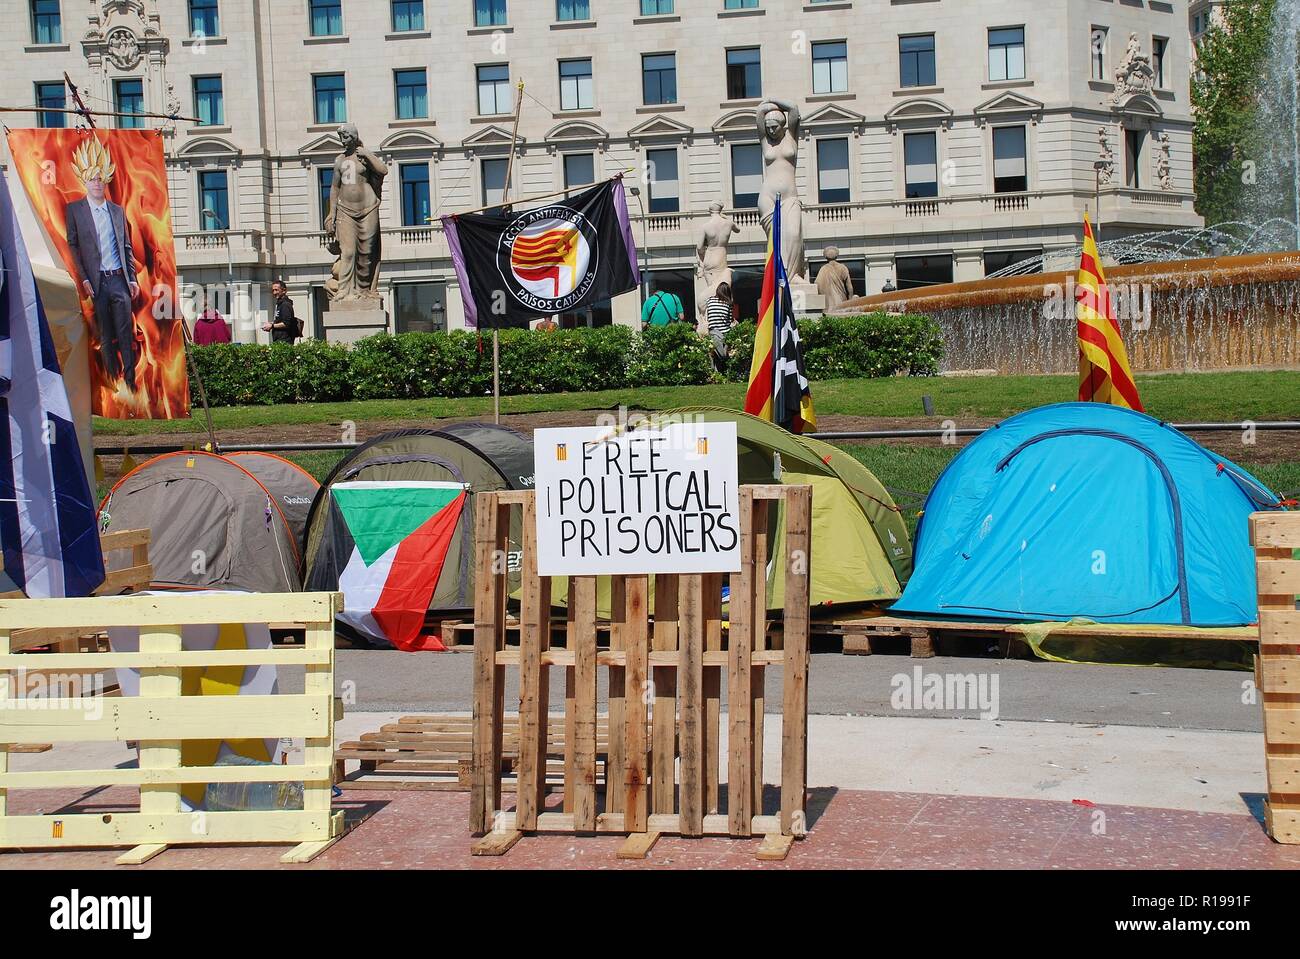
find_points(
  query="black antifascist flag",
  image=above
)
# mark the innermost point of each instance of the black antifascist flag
(555, 258)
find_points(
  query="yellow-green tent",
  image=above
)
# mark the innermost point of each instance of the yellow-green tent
(861, 552)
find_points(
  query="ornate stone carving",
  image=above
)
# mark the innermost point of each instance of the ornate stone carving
(123, 48)
(1164, 170)
(1134, 73)
(1105, 164)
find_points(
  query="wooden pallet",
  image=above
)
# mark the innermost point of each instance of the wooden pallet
(863, 637)
(458, 633)
(435, 753)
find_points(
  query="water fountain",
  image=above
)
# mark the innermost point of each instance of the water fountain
(1219, 297)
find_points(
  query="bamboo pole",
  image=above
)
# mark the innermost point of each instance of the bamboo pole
(496, 323)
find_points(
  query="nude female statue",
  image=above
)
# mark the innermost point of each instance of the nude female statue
(778, 126)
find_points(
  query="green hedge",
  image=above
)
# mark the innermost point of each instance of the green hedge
(852, 347)
(459, 363)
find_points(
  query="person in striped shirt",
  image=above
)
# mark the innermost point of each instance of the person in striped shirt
(719, 313)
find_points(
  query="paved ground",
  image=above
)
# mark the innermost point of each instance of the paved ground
(847, 829)
(863, 686)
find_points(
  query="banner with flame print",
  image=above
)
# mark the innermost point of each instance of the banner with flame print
(136, 328)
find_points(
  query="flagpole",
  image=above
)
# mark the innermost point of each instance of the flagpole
(496, 324)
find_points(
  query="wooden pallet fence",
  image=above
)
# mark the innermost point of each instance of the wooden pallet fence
(667, 680)
(1277, 668)
(161, 720)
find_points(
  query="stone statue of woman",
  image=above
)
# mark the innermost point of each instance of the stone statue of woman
(353, 221)
(778, 126)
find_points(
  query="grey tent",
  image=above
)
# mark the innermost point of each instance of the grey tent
(483, 456)
(291, 485)
(212, 523)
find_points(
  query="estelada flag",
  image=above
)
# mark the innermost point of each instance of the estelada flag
(515, 266)
(778, 383)
(384, 547)
(1104, 373)
(143, 375)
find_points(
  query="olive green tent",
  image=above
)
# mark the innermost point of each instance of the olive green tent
(861, 552)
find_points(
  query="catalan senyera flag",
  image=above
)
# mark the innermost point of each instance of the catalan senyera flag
(1104, 373)
(778, 384)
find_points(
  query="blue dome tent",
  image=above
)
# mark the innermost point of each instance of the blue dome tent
(1084, 510)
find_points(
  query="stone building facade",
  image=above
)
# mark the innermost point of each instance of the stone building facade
(941, 139)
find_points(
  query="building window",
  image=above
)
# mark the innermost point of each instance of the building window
(740, 5)
(575, 85)
(579, 170)
(326, 18)
(494, 181)
(415, 194)
(572, 9)
(832, 171)
(408, 15)
(916, 60)
(51, 96)
(744, 75)
(918, 271)
(324, 182)
(208, 105)
(1098, 53)
(997, 260)
(830, 67)
(412, 90)
(746, 175)
(214, 196)
(204, 19)
(1010, 171)
(128, 97)
(494, 89)
(1159, 47)
(489, 13)
(665, 189)
(921, 165)
(47, 24)
(419, 307)
(1134, 142)
(1007, 53)
(331, 97)
(651, 8)
(659, 78)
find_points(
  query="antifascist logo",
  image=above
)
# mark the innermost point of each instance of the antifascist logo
(548, 258)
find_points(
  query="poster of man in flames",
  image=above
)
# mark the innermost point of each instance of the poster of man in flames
(101, 196)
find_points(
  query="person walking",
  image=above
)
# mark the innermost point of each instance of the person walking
(284, 326)
(720, 313)
(662, 308)
(210, 327)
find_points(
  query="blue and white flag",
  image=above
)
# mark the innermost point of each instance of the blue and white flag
(47, 513)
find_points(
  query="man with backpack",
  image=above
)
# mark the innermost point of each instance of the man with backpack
(662, 308)
(284, 326)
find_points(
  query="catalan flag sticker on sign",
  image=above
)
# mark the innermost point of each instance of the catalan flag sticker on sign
(56, 829)
(702, 446)
(561, 452)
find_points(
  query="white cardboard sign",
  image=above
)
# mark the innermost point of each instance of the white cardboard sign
(647, 501)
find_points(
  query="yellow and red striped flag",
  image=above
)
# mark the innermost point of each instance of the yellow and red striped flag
(1104, 373)
(778, 388)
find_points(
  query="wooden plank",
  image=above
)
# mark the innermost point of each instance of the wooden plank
(1283, 770)
(740, 750)
(1278, 674)
(690, 677)
(61, 720)
(1275, 530)
(140, 854)
(102, 612)
(68, 778)
(657, 660)
(638, 845)
(1279, 627)
(666, 823)
(485, 788)
(794, 710)
(1281, 724)
(712, 690)
(176, 829)
(496, 843)
(663, 736)
(535, 628)
(80, 662)
(1282, 824)
(1280, 576)
(775, 847)
(583, 599)
(318, 750)
(616, 765)
(4, 702)
(764, 511)
(123, 539)
(160, 747)
(636, 700)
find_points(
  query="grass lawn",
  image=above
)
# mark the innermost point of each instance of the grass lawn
(1181, 397)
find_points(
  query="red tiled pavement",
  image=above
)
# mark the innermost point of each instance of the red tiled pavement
(848, 829)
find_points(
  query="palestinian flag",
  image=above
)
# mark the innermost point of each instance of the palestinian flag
(383, 549)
